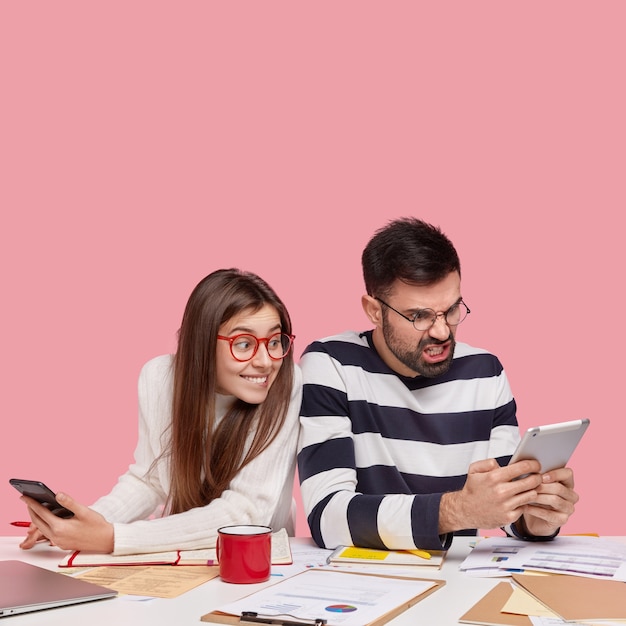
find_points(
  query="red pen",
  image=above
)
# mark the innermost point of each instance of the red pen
(21, 524)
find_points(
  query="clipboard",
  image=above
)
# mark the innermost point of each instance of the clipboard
(250, 618)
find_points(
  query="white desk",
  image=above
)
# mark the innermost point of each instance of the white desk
(443, 608)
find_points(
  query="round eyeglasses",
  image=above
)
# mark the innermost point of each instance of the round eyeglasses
(424, 319)
(244, 347)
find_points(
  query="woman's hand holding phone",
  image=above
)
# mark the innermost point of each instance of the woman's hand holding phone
(61, 520)
(85, 530)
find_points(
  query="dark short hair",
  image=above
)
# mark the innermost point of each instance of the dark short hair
(410, 250)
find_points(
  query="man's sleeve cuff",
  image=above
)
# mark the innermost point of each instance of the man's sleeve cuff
(512, 531)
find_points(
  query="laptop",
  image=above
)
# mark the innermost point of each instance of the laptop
(25, 588)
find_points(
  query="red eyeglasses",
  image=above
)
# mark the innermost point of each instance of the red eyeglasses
(243, 347)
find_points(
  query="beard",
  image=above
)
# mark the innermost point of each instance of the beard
(413, 358)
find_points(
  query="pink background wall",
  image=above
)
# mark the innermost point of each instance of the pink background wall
(145, 144)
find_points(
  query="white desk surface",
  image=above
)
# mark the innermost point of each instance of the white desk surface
(443, 607)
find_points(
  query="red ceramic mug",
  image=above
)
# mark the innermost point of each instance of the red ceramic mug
(244, 553)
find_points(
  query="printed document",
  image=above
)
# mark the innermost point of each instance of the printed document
(595, 557)
(340, 598)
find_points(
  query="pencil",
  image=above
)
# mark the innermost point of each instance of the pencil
(422, 553)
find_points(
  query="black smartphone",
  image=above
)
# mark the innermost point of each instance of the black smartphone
(36, 490)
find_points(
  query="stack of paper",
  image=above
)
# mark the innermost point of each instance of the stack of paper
(491, 556)
(592, 557)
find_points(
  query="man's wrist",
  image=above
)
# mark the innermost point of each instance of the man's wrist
(449, 513)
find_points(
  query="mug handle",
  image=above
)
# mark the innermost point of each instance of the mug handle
(217, 548)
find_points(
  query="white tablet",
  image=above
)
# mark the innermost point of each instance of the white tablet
(552, 445)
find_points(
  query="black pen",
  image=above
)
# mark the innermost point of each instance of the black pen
(251, 616)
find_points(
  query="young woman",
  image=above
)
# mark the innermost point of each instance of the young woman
(218, 428)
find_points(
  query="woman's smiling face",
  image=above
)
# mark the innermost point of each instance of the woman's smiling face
(251, 380)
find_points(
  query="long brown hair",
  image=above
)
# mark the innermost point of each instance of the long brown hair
(205, 457)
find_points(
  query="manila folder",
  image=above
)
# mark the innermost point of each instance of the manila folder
(577, 598)
(488, 610)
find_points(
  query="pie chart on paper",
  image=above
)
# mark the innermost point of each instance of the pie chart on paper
(341, 608)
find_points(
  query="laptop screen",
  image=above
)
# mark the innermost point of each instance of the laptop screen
(25, 587)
